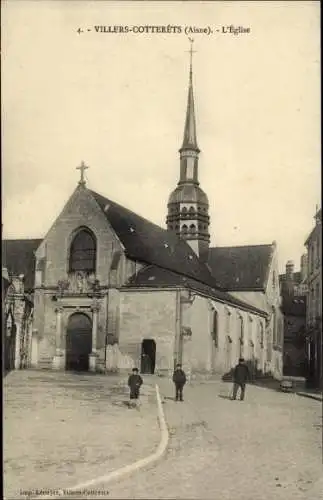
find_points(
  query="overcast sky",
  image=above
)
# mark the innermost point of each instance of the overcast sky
(117, 101)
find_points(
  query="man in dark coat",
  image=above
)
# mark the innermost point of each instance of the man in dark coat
(240, 377)
(135, 382)
(179, 379)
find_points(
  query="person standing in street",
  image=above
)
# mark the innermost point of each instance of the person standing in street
(135, 382)
(240, 376)
(179, 379)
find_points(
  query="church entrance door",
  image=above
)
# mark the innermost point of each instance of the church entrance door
(78, 342)
(148, 356)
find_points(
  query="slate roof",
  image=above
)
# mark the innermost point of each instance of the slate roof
(18, 256)
(241, 267)
(151, 244)
(156, 277)
(294, 306)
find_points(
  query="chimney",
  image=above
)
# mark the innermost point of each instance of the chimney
(290, 270)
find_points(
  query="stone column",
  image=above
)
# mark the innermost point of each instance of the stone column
(93, 356)
(58, 360)
(17, 346)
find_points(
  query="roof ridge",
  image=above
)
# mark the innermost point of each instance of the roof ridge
(128, 209)
(22, 239)
(242, 246)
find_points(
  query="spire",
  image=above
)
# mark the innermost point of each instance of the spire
(189, 140)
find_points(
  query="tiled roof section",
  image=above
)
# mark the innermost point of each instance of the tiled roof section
(242, 267)
(156, 277)
(149, 243)
(18, 256)
(294, 306)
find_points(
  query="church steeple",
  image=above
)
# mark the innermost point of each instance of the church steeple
(188, 205)
(189, 139)
(189, 151)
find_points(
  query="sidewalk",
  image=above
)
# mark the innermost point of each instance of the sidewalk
(61, 429)
(311, 394)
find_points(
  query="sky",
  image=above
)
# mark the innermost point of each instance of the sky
(117, 101)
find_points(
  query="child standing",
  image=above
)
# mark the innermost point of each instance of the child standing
(135, 382)
(179, 379)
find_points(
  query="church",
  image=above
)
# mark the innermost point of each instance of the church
(111, 290)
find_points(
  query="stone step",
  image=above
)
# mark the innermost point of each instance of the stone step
(45, 363)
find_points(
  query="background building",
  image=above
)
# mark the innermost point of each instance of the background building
(293, 285)
(314, 303)
(18, 274)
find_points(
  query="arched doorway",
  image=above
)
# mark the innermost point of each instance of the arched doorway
(148, 356)
(78, 342)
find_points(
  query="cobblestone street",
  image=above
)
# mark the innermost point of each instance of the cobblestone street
(61, 429)
(269, 446)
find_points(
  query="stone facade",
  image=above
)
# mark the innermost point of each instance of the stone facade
(17, 320)
(59, 293)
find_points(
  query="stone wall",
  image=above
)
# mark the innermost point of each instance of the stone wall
(147, 315)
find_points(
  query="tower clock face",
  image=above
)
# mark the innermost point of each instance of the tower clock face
(190, 168)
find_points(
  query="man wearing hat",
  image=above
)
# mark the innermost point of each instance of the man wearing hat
(240, 377)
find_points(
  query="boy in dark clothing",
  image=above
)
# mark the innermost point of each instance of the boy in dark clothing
(240, 376)
(179, 379)
(135, 382)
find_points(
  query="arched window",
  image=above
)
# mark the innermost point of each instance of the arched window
(83, 252)
(192, 228)
(215, 334)
(184, 210)
(192, 210)
(184, 229)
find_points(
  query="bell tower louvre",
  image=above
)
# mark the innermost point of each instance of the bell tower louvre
(188, 206)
